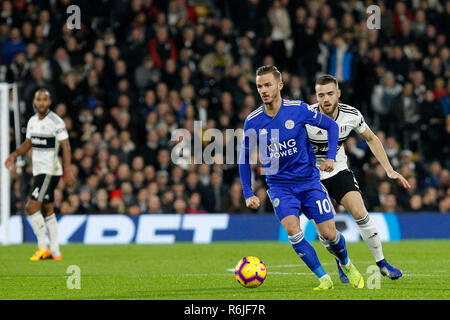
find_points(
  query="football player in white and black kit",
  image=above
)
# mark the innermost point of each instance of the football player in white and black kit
(46, 133)
(341, 183)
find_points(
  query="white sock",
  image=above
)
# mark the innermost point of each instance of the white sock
(369, 233)
(326, 275)
(38, 224)
(52, 228)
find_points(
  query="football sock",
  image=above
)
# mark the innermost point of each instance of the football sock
(38, 224)
(369, 234)
(52, 228)
(307, 253)
(337, 247)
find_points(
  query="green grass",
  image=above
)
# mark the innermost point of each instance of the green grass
(185, 271)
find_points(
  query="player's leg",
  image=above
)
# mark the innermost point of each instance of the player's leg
(317, 206)
(39, 194)
(306, 251)
(287, 208)
(353, 202)
(333, 188)
(33, 209)
(50, 218)
(52, 229)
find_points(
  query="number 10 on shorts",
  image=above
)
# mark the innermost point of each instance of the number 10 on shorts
(324, 205)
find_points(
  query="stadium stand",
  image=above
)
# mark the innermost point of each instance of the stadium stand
(137, 70)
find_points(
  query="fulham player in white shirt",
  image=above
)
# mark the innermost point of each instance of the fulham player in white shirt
(341, 183)
(46, 133)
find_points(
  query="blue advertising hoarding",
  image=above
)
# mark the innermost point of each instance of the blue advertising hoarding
(206, 228)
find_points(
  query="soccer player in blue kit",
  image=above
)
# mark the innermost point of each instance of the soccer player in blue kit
(289, 163)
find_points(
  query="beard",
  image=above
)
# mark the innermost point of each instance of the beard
(329, 110)
(270, 99)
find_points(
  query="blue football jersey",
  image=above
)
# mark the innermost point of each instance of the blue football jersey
(283, 144)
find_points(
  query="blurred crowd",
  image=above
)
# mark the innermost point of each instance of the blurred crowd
(137, 70)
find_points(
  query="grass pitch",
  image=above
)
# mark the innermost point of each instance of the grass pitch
(186, 271)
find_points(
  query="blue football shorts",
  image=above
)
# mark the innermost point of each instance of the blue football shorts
(291, 199)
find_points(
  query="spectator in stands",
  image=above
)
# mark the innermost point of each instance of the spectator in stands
(444, 182)
(13, 45)
(162, 48)
(432, 126)
(404, 195)
(415, 203)
(85, 206)
(379, 200)
(234, 202)
(341, 62)
(19, 69)
(194, 204)
(407, 116)
(154, 205)
(280, 35)
(383, 102)
(389, 205)
(142, 198)
(217, 63)
(167, 201)
(146, 75)
(179, 206)
(444, 204)
(123, 90)
(430, 200)
(101, 202)
(128, 197)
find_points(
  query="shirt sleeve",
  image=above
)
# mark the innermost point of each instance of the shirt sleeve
(28, 133)
(310, 115)
(245, 171)
(360, 123)
(333, 135)
(61, 131)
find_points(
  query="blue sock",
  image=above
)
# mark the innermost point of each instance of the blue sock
(307, 253)
(339, 248)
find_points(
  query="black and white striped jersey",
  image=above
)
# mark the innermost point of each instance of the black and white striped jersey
(45, 136)
(348, 118)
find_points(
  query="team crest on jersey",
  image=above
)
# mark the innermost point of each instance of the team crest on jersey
(289, 124)
(276, 202)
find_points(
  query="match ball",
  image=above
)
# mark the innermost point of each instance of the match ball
(250, 272)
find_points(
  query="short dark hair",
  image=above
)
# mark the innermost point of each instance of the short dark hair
(43, 90)
(269, 69)
(326, 79)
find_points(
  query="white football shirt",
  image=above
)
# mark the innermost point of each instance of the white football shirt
(45, 136)
(348, 118)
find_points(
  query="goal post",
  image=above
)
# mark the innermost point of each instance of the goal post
(9, 101)
(5, 184)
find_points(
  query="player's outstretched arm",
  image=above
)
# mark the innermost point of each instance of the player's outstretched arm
(245, 173)
(68, 176)
(378, 151)
(18, 152)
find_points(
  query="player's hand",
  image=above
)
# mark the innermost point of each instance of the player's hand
(69, 178)
(9, 162)
(252, 202)
(395, 175)
(327, 165)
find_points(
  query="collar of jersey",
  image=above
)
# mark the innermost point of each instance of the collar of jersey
(48, 111)
(272, 118)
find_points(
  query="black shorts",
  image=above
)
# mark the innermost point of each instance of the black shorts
(44, 188)
(340, 184)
